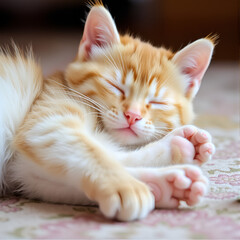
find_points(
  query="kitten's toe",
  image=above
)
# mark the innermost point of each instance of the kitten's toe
(198, 190)
(204, 153)
(186, 131)
(175, 184)
(200, 136)
(110, 206)
(199, 186)
(130, 200)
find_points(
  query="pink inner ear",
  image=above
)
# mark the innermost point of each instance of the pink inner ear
(194, 74)
(193, 61)
(89, 41)
(100, 30)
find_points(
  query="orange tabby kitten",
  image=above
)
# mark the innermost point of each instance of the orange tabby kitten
(101, 132)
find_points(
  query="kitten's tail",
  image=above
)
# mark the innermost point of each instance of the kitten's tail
(20, 83)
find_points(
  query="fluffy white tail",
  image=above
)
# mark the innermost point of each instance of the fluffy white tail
(20, 83)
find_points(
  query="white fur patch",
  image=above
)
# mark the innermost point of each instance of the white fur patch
(152, 89)
(20, 83)
(128, 82)
(129, 79)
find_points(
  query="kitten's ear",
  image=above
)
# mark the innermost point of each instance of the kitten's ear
(99, 31)
(193, 61)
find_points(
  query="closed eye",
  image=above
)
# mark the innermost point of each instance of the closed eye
(160, 103)
(165, 106)
(115, 87)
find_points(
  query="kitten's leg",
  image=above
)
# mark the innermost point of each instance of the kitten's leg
(173, 184)
(186, 144)
(63, 152)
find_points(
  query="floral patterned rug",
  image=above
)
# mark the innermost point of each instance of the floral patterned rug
(216, 217)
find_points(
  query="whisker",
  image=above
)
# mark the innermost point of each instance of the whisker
(111, 59)
(95, 114)
(121, 60)
(82, 96)
(84, 99)
(87, 104)
(160, 132)
(163, 128)
(158, 136)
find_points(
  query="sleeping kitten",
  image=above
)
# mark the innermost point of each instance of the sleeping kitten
(101, 132)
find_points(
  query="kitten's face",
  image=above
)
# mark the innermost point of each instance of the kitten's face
(140, 88)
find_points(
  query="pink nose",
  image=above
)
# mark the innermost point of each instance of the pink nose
(132, 117)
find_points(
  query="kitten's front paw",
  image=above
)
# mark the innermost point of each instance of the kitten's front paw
(191, 145)
(124, 198)
(175, 184)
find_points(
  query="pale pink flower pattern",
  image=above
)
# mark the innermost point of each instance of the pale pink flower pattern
(222, 195)
(230, 150)
(198, 222)
(232, 179)
(74, 228)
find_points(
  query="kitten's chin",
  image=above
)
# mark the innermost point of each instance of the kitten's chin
(127, 137)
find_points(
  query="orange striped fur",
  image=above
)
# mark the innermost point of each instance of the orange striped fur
(71, 140)
(151, 68)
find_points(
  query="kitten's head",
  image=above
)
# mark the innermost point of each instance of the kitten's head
(144, 91)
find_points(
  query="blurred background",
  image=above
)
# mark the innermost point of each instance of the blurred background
(54, 27)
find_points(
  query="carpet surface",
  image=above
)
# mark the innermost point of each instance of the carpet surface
(216, 217)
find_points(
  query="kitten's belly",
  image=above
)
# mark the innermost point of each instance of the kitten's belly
(38, 184)
(53, 191)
